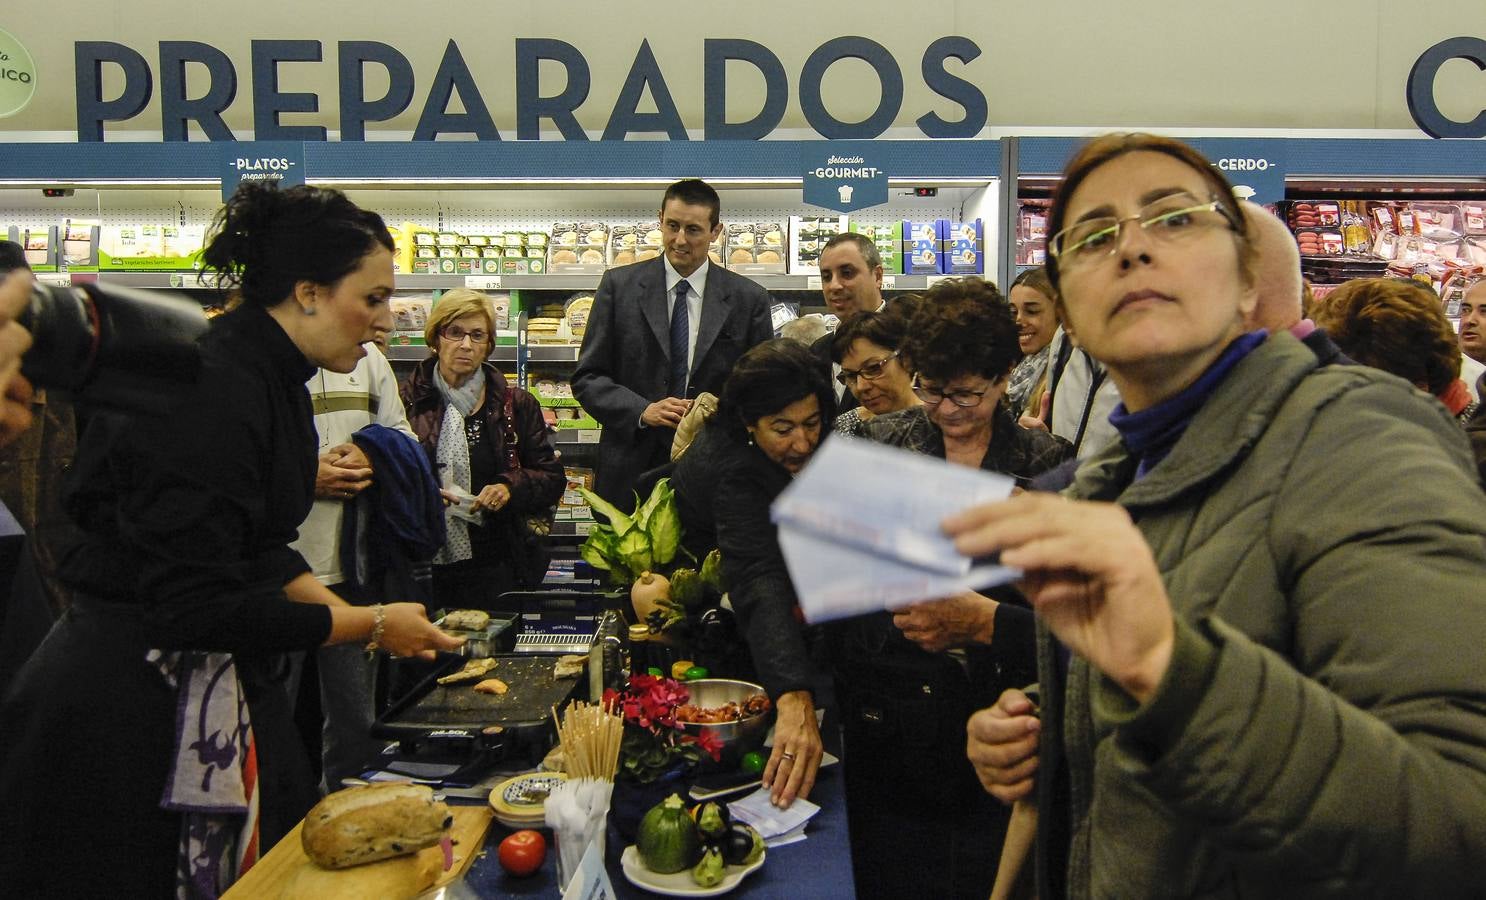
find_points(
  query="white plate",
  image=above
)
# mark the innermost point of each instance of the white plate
(679, 884)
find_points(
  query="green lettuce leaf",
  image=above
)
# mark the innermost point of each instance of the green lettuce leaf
(620, 522)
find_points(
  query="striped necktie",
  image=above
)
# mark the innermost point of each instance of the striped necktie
(680, 342)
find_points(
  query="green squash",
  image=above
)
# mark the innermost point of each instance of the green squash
(711, 870)
(668, 841)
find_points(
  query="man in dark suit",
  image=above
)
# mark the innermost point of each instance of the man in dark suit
(851, 282)
(660, 333)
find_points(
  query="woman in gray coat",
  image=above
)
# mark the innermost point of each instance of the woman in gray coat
(1268, 589)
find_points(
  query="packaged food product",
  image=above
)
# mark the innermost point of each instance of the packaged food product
(410, 313)
(807, 234)
(921, 250)
(1309, 241)
(1437, 221)
(963, 246)
(755, 248)
(501, 303)
(888, 239)
(1474, 217)
(576, 312)
(1356, 236)
(1407, 222)
(1385, 245)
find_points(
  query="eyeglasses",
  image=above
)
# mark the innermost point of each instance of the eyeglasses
(457, 334)
(870, 371)
(932, 396)
(1168, 220)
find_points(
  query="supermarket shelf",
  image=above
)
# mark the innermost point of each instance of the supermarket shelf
(576, 436)
(156, 279)
(503, 282)
(571, 529)
(550, 353)
(416, 353)
(498, 282)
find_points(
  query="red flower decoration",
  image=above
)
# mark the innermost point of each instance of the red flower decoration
(649, 705)
(708, 740)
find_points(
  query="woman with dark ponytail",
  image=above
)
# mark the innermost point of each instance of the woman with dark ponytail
(149, 748)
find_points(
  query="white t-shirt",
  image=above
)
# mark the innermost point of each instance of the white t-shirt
(344, 404)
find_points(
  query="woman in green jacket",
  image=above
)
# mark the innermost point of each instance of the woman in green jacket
(1270, 586)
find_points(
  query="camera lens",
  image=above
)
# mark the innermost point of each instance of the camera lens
(63, 328)
(111, 346)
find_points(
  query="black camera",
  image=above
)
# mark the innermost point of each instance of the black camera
(112, 347)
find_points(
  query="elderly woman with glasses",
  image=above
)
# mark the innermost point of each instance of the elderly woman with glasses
(907, 682)
(867, 348)
(489, 443)
(1269, 679)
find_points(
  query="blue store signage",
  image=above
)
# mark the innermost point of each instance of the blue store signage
(1255, 168)
(279, 162)
(844, 175)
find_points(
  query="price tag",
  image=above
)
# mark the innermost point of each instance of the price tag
(812, 282)
(588, 435)
(56, 279)
(581, 529)
(187, 280)
(482, 282)
(888, 282)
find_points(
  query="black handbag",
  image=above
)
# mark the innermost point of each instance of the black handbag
(529, 530)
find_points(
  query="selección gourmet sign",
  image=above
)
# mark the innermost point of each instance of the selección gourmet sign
(17, 75)
(844, 176)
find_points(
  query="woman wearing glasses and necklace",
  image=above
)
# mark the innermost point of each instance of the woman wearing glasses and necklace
(488, 441)
(1268, 683)
(867, 348)
(908, 682)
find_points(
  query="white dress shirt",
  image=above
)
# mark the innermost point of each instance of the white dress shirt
(695, 282)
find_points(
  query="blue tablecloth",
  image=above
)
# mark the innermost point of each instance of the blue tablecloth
(817, 867)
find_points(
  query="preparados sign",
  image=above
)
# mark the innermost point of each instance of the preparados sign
(532, 107)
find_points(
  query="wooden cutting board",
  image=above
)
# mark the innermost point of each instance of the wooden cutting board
(274, 872)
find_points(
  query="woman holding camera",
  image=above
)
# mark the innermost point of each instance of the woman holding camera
(149, 746)
(1274, 686)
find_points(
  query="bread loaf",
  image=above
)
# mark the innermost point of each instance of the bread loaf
(363, 824)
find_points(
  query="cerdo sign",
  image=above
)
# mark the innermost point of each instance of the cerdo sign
(532, 105)
(17, 75)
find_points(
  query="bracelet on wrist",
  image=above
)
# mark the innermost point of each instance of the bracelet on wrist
(379, 624)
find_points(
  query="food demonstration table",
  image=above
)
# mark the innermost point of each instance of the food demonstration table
(819, 866)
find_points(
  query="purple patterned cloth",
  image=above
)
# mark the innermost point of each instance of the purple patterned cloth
(213, 777)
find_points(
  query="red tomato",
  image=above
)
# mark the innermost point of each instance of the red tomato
(522, 853)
